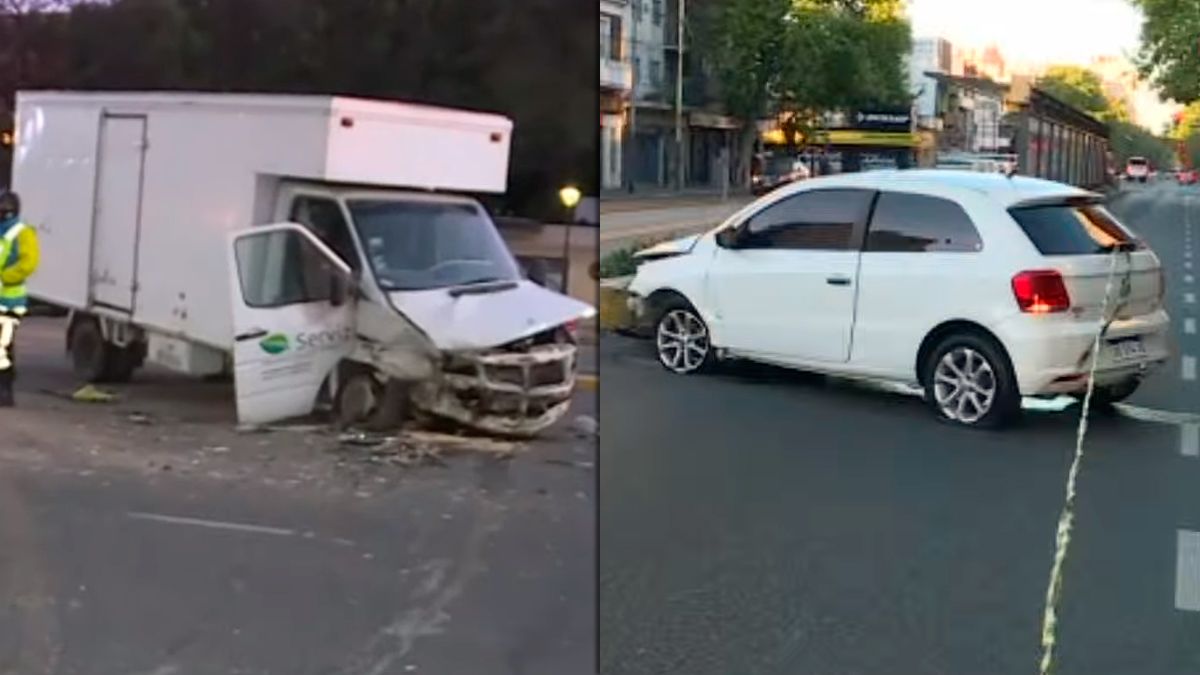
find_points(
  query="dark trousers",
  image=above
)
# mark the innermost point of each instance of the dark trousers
(9, 375)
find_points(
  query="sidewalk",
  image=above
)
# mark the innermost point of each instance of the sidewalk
(616, 201)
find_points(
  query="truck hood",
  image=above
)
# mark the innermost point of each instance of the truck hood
(668, 249)
(486, 320)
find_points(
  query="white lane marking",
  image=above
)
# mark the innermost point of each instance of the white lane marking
(1189, 298)
(215, 524)
(1187, 264)
(1157, 416)
(1187, 571)
(1189, 440)
(1187, 278)
(1189, 326)
(1189, 367)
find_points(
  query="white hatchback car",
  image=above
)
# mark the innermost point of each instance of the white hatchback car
(979, 288)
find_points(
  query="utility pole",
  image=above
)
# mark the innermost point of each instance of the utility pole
(679, 97)
(635, 66)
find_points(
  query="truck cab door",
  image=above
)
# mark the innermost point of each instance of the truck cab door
(293, 319)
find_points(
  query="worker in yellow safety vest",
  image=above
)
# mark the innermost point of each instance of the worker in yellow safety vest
(18, 260)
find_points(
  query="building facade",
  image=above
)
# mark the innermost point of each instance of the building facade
(929, 55)
(652, 157)
(616, 85)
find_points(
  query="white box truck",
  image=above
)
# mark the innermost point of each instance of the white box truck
(324, 249)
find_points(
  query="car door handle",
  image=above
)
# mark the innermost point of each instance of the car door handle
(838, 281)
(252, 334)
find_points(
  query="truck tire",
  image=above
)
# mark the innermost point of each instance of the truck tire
(95, 360)
(122, 362)
(90, 354)
(363, 401)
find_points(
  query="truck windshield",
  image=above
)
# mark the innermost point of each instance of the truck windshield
(421, 245)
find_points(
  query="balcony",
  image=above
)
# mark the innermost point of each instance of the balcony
(616, 75)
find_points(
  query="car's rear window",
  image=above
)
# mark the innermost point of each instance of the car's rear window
(1137, 161)
(1072, 229)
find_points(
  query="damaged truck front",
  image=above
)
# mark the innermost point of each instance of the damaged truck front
(498, 351)
(430, 315)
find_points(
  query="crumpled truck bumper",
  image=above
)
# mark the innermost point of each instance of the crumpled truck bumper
(503, 393)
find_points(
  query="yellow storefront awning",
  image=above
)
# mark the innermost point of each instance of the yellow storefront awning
(891, 139)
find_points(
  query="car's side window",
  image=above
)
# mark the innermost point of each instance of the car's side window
(821, 220)
(912, 223)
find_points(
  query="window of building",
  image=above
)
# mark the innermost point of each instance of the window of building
(658, 12)
(909, 223)
(610, 37)
(655, 77)
(820, 220)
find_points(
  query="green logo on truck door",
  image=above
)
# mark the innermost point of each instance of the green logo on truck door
(274, 344)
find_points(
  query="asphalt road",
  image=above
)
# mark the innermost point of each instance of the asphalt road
(147, 537)
(765, 522)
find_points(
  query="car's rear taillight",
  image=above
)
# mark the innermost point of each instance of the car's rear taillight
(1041, 292)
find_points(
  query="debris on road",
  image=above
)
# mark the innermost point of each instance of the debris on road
(423, 448)
(587, 466)
(91, 394)
(585, 426)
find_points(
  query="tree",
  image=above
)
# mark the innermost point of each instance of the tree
(798, 59)
(1170, 47)
(1186, 133)
(1130, 140)
(530, 60)
(747, 43)
(1077, 87)
(1082, 89)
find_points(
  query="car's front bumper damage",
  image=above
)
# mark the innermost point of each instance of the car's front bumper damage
(516, 391)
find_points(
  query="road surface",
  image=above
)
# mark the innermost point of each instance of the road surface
(765, 522)
(148, 537)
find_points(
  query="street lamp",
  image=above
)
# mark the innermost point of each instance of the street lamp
(569, 196)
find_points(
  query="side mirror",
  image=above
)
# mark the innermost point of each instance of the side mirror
(341, 288)
(727, 238)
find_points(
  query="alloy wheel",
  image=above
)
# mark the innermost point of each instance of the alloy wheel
(682, 341)
(964, 385)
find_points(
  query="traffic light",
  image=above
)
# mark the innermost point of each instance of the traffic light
(6, 138)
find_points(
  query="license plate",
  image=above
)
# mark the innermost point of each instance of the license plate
(1131, 348)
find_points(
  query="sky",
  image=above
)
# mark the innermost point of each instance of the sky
(1042, 32)
(1069, 31)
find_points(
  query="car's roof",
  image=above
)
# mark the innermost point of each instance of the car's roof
(1007, 190)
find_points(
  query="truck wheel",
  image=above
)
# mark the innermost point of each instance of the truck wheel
(363, 401)
(90, 354)
(121, 363)
(95, 360)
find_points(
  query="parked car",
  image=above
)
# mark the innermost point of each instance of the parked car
(978, 287)
(1138, 169)
(777, 171)
(1186, 177)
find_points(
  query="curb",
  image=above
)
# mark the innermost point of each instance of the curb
(614, 311)
(587, 382)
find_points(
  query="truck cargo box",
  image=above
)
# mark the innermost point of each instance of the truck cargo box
(134, 194)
